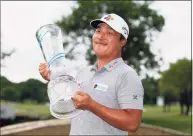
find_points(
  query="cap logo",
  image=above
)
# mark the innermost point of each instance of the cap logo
(125, 30)
(108, 17)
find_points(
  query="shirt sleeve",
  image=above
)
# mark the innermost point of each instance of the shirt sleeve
(130, 91)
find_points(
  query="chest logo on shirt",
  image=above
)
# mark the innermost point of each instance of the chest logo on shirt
(79, 84)
(100, 87)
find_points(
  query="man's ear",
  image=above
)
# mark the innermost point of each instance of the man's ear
(123, 42)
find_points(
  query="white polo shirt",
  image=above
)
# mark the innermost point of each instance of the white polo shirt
(116, 86)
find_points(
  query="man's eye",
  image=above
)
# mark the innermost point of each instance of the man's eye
(110, 32)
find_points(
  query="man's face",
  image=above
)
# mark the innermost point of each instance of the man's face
(106, 42)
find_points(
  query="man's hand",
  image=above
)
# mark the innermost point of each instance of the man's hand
(82, 100)
(44, 71)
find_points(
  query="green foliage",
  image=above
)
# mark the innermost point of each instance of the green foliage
(29, 91)
(178, 78)
(151, 90)
(10, 93)
(5, 82)
(143, 23)
(33, 89)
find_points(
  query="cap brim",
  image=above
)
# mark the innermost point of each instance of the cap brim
(94, 23)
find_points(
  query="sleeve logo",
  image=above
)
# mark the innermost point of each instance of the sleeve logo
(135, 97)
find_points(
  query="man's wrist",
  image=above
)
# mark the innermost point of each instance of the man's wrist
(92, 104)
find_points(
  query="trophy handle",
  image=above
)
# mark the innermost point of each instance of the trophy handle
(39, 39)
(40, 45)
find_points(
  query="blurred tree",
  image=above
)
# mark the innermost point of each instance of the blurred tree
(10, 93)
(169, 97)
(143, 23)
(5, 82)
(30, 90)
(33, 89)
(7, 88)
(178, 81)
(151, 90)
(5, 55)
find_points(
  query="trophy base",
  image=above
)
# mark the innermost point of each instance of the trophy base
(60, 92)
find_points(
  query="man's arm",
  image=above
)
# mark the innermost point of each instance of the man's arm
(125, 119)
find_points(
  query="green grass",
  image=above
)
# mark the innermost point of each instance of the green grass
(155, 116)
(152, 115)
(30, 109)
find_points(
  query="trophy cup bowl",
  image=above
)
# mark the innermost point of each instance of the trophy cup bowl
(60, 92)
(61, 88)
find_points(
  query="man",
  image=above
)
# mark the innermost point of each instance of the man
(111, 93)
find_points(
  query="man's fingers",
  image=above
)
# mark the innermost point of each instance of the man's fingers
(45, 73)
(43, 66)
(81, 93)
(76, 101)
(77, 98)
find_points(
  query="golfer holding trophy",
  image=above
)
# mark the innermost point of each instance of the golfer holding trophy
(109, 96)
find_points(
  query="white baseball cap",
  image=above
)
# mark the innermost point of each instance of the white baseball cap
(114, 21)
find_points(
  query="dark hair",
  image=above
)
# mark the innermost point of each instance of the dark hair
(122, 37)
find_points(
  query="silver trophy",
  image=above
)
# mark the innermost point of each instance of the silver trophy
(61, 88)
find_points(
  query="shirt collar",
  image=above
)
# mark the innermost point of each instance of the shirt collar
(109, 66)
(94, 67)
